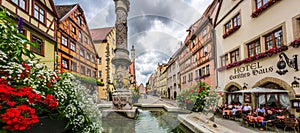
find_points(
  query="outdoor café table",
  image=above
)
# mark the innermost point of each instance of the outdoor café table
(256, 119)
(227, 112)
(280, 117)
(259, 119)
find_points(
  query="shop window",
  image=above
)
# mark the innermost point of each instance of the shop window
(234, 56)
(274, 39)
(64, 41)
(232, 97)
(39, 13)
(254, 48)
(74, 66)
(39, 48)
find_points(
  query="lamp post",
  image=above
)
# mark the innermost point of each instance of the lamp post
(295, 83)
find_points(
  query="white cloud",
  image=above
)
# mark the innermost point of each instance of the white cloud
(155, 26)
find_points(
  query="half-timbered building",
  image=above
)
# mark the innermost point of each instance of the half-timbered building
(76, 50)
(39, 19)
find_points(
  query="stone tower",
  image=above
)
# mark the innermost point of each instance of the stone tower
(122, 94)
(132, 54)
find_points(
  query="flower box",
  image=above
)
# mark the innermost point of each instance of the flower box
(269, 53)
(231, 31)
(295, 43)
(258, 11)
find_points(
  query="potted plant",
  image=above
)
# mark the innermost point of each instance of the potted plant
(30, 92)
(193, 98)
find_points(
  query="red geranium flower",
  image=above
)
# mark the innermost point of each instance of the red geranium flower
(51, 101)
(11, 103)
(20, 118)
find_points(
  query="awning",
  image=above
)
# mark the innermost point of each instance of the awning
(261, 90)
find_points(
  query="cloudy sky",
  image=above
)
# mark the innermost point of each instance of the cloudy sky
(156, 27)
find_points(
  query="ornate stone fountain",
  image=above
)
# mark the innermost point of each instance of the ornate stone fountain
(122, 97)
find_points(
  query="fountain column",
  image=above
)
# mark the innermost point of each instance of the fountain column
(121, 95)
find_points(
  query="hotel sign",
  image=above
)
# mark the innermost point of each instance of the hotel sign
(253, 69)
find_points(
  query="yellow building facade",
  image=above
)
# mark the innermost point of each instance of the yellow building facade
(105, 43)
(39, 25)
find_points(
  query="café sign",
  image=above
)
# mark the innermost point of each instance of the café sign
(253, 69)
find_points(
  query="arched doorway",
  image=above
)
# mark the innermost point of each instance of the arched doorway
(169, 92)
(175, 94)
(232, 97)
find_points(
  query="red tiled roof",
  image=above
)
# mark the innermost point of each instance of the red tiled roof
(100, 34)
(62, 10)
(131, 69)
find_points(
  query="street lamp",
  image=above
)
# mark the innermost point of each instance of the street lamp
(245, 86)
(295, 83)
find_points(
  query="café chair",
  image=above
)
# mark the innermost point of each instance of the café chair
(273, 125)
(292, 123)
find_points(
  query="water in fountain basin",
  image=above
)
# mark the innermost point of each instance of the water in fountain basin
(148, 121)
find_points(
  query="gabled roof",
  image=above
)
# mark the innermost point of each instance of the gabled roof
(64, 12)
(64, 9)
(53, 8)
(100, 34)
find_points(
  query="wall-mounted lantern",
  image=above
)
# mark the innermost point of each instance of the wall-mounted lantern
(295, 83)
(245, 86)
(283, 61)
